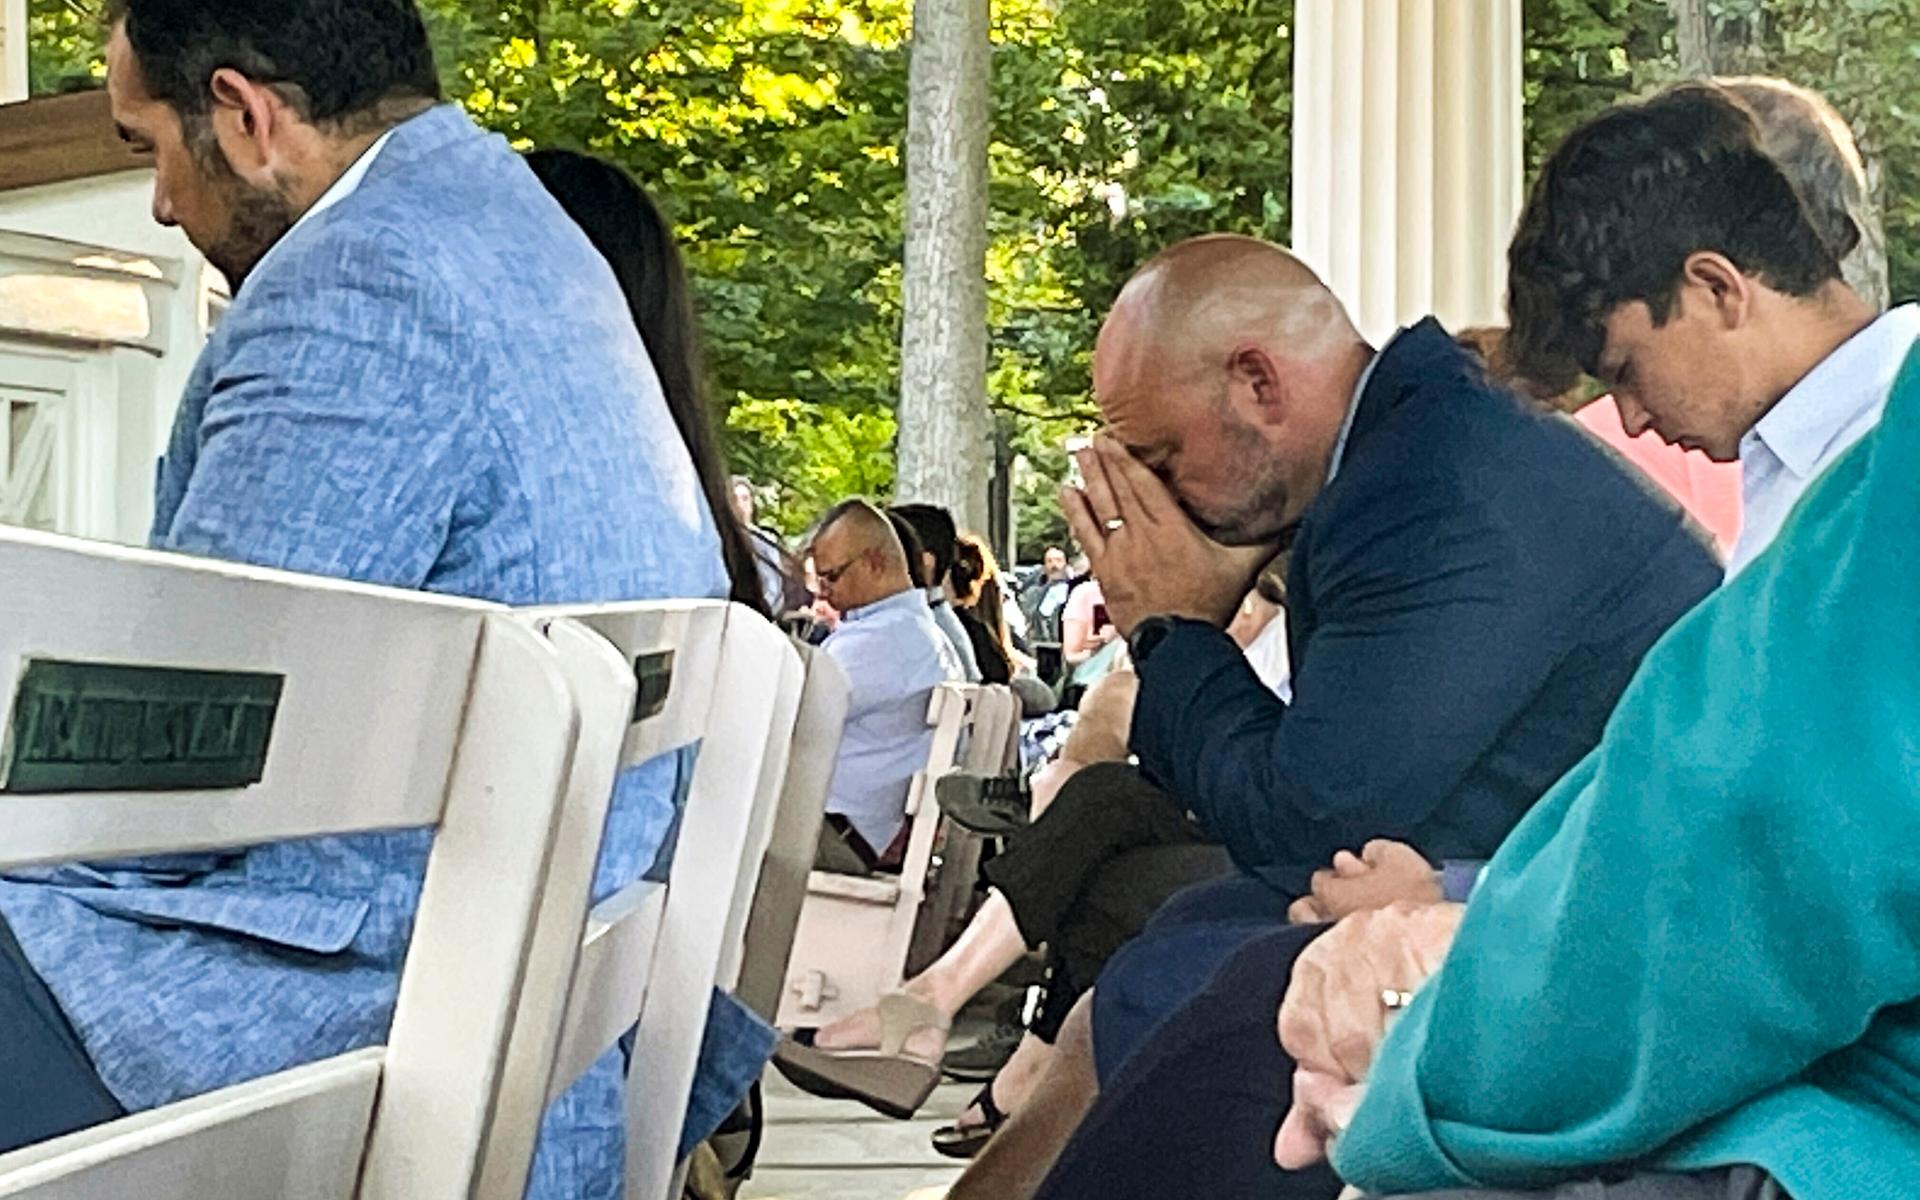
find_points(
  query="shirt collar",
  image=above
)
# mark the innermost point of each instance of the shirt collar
(1353, 408)
(348, 183)
(897, 601)
(1828, 400)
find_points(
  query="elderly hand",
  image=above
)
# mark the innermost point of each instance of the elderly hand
(1322, 1107)
(1336, 1010)
(1150, 558)
(1381, 874)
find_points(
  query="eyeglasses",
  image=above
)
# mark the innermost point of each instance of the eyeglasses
(831, 577)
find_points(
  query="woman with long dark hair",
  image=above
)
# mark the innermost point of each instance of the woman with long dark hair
(625, 225)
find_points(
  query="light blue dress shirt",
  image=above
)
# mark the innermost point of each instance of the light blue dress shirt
(432, 383)
(950, 628)
(894, 656)
(1832, 407)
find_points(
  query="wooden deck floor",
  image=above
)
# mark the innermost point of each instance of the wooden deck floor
(834, 1150)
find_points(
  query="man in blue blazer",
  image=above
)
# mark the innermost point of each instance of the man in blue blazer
(428, 379)
(1473, 581)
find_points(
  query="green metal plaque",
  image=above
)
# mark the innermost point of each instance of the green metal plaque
(109, 727)
(654, 674)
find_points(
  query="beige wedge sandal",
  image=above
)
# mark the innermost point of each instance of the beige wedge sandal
(888, 1080)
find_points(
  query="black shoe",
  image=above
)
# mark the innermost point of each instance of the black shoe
(967, 1141)
(981, 1061)
(991, 805)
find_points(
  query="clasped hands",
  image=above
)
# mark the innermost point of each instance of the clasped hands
(1344, 992)
(1149, 556)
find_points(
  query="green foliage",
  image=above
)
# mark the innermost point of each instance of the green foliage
(773, 131)
(63, 46)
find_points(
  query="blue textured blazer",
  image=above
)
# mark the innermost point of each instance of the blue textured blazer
(433, 384)
(1466, 601)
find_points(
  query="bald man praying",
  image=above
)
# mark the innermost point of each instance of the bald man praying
(1472, 584)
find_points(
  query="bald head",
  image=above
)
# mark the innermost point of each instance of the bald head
(1228, 366)
(1203, 298)
(858, 557)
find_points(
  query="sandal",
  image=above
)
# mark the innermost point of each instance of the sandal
(888, 1080)
(967, 1141)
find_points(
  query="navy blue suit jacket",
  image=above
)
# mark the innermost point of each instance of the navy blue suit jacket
(1466, 600)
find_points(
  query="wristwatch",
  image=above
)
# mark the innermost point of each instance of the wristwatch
(1146, 636)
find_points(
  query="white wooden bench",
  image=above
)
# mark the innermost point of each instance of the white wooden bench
(768, 943)
(390, 710)
(852, 943)
(651, 954)
(994, 749)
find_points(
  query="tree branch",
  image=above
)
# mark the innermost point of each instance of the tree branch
(1086, 413)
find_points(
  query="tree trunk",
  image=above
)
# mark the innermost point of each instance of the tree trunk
(1693, 30)
(946, 447)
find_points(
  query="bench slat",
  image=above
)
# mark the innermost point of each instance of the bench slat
(292, 1136)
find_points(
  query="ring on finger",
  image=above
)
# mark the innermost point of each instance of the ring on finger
(1115, 524)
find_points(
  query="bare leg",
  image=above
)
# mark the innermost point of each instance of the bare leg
(1017, 1160)
(1100, 735)
(1106, 718)
(990, 944)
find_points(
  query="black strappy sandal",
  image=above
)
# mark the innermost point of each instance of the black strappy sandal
(966, 1141)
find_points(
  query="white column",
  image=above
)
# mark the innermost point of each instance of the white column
(13, 50)
(1407, 155)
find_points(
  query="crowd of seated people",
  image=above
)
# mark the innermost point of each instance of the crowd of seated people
(1439, 811)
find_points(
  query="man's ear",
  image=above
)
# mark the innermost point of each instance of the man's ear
(1256, 385)
(1714, 278)
(248, 118)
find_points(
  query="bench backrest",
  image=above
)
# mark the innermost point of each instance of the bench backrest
(756, 696)
(158, 704)
(991, 748)
(855, 931)
(650, 954)
(768, 942)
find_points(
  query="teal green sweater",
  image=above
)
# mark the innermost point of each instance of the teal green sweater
(1702, 947)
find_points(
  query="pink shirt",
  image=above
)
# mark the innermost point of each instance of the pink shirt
(1708, 490)
(1081, 603)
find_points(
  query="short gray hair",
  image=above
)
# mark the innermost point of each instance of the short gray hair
(1810, 141)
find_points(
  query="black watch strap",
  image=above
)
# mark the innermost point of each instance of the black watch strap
(1146, 636)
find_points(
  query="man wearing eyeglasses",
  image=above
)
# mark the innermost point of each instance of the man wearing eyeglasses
(894, 655)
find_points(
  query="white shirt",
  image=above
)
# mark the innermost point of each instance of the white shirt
(1835, 405)
(348, 183)
(1267, 654)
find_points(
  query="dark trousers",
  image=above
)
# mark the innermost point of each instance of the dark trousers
(1194, 1110)
(1085, 877)
(1180, 950)
(51, 1087)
